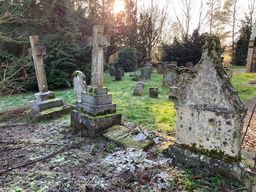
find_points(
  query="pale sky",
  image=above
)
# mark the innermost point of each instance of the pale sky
(174, 8)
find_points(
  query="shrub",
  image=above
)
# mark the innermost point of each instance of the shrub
(127, 58)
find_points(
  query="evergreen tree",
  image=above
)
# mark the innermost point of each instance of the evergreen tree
(242, 44)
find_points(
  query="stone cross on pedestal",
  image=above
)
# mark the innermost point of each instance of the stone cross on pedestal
(99, 42)
(37, 53)
(45, 106)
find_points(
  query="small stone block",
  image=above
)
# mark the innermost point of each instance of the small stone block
(90, 126)
(96, 110)
(40, 50)
(97, 91)
(153, 92)
(44, 96)
(96, 100)
(48, 104)
(51, 113)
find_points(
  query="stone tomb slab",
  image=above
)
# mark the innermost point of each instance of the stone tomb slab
(125, 137)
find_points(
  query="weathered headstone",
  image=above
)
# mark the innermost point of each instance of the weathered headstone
(210, 117)
(160, 68)
(251, 57)
(145, 74)
(138, 89)
(170, 74)
(153, 92)
(149, 65)
(96, 113)
(79, 83)
(118, 74)
(111, 71)
(46, 105)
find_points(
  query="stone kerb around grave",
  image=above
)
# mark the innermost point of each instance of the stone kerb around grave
(210, 116)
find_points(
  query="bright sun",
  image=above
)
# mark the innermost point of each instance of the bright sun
(118, 6)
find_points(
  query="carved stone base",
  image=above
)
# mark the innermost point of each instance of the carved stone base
(206, 165)
(90, 126)
(46, 106)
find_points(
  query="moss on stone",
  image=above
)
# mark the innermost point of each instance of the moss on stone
(212, 153)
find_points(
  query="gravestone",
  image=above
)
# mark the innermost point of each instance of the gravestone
(79, 83)
(170, 74)
(149, 65)
(251, 57)
(96, 113)
(138, 89)
(146, 74)
(46, 105)
(118, 74)
(160, 68)
(210, 117)
(111, 71)
(153, 92)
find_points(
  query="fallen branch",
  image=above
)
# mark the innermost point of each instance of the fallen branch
(13, 125)
(41, 159)
(28, 143)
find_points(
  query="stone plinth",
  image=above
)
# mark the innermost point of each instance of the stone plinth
(95, 114)
(46, 106)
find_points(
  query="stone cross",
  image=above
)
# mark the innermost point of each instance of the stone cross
(99, 42)
(37, 53)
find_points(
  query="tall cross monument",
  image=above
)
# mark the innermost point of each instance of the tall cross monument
(99, 42)
(96, 112)
(251, 57)
(45, 105)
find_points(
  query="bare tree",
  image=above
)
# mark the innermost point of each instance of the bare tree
(150, 27)
(252, 10)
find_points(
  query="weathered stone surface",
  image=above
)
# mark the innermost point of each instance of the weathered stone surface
(170, 75)
(52, 113)
(160, 68)
(148, 64)
(90, 126)
(96, 100)
(251, 61)
(96, 110)
(153, 92)
(146, 73)
(126, 138)
(44, 96)
(209, 112)
(138, 89)
(99, 42)
(79, 83)
(38, 52)
(39, 106)
(118, 74)
(207, 165)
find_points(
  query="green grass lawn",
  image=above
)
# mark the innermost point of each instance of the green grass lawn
(153, 113)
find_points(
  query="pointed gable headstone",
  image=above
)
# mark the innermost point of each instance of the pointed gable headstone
(210, 115)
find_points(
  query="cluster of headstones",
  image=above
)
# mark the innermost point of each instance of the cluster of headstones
(210, 114)
(145, 76)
